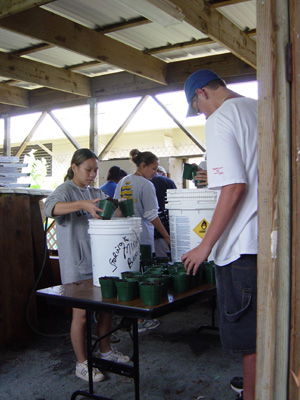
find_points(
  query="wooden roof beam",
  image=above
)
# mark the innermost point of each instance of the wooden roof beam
(51, 28)
(189, 43)
(212, 23)
(131, 23)
(222, 3)
(8, 7)
(13, 95)
(32, 49)
(126, 85)
(42, 74)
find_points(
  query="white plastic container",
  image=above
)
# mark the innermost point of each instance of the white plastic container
(115, 246)
(190, 213)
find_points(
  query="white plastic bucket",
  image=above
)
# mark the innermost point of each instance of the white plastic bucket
(190, 213)
(115, 246)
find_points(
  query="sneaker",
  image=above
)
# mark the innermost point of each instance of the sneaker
(116, 356)
(236, 384)
(82, 372)
(147, 324)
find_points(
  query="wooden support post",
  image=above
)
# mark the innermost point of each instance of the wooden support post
(93, 142)
(274, 202)
(7, 141)
(294, 390)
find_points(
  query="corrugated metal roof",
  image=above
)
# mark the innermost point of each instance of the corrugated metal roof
(92, 13)
(153, 35)
(192, 52)
(242, 15)
(58, 57)
(99, 13)
(11, 41)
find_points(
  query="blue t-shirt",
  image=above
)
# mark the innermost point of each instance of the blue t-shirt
(109, 188)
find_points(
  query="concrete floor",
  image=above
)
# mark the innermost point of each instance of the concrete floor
(176, 363)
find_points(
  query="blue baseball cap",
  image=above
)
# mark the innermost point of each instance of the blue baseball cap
(197, 81)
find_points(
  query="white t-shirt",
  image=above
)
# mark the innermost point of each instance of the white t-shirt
(231, 139)
(144, 197)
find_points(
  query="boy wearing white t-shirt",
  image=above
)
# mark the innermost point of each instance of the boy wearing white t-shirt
(231, 140)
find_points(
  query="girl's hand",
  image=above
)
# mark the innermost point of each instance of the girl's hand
(91, 206)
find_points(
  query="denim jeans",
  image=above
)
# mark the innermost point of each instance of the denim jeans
(237, 304)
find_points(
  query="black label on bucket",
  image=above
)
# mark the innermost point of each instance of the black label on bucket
(127, 249)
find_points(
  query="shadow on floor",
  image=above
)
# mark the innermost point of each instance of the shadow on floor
(176, 362)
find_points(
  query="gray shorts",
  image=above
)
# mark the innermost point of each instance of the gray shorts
(237, 304)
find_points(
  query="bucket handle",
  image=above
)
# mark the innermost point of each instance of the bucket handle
(135, 235)
(175, 203)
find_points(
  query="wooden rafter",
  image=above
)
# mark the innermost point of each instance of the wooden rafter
(222, 3)
(51, 28)
(8, 7)
(123, 84)
(13, 95)
(212, 23)
(42, 74)
(131, 23)
(32, 49)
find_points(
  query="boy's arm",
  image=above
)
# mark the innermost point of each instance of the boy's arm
(228, 202)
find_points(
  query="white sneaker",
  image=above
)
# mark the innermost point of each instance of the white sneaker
(147, 324)
(82, 372)
(116, 356)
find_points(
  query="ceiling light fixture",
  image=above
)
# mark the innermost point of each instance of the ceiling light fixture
(163, 12)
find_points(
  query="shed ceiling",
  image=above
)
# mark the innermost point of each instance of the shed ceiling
(60, 53)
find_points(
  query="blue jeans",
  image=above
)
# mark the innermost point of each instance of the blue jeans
(237, 304)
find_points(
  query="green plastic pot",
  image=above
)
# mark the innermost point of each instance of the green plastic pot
(180, 283)
(164, 279)
(108, 208)
(198, 279)
(200, 274)
(130, 274)
(145, 252)
(172, 269)
(179, 264)
(160, 260)
(108, 286)
(209, 272)
(150, 293)
(188, 170)
(136, 288)
(125, 290)
(156, 271)
(127, 207)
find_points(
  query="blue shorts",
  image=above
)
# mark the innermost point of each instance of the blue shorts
(237, 304)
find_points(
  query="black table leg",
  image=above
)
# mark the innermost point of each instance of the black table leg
(89, 348)
(213, 309)
(135, 358)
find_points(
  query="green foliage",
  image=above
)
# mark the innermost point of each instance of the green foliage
(38, 170)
